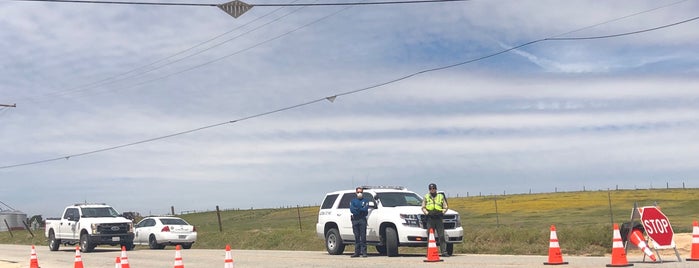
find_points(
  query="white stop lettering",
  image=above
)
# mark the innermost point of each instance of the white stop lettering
(656, 226)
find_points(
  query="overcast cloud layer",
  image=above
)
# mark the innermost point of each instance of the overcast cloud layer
(562, 115)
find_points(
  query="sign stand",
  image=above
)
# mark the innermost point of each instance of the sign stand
(655, 223)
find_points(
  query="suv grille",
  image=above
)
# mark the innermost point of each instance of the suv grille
(449, 222)
(113, 228)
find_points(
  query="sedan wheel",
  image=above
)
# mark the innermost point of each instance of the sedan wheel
(153, 243)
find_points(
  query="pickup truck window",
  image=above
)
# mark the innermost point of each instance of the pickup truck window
(100, 212)
(72, 214)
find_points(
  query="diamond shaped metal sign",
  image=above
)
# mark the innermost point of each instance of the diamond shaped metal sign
(235, 8)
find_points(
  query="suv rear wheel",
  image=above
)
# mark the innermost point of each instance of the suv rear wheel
(333, 242)
(391, 242)
(381, 249)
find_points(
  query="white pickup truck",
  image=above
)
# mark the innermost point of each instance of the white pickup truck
(89, 225)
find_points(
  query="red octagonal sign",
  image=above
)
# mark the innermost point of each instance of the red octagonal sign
(657, 226)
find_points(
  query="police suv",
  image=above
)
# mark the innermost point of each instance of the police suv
(395, 219)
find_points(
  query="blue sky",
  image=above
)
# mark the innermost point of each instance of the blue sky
(554, 115)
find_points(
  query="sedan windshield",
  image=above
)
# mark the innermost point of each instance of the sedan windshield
(399, 199)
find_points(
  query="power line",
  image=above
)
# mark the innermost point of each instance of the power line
(621, 34)
(230, 54)
(332, 98)
(258, 5)
(306, 25)
(153, 66)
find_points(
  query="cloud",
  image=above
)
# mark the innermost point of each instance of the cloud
(555, 114)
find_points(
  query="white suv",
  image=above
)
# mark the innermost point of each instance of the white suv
(395, 219)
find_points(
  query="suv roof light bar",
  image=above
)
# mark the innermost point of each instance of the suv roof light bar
(383, 187)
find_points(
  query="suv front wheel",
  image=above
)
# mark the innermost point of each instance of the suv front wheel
(333, 242)
(391, 242)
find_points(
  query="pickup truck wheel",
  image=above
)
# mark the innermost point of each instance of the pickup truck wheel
(54, 243)
(187, 245)
(85, 245)
(333, 242)
(391, 242)
(450, 249)
(153, 243)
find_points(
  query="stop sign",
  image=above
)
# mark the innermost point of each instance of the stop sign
(657, 226)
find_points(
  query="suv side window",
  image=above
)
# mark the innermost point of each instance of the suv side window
(329, 201)
(347, 198)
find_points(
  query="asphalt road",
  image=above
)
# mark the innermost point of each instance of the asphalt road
(17, 256)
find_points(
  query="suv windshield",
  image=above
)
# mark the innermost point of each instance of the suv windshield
(399, 199)
(100, 212)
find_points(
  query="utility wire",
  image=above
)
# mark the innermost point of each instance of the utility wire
(332, 98)
(137, 84)
(255, 5)
(125, 76)
(155, 65)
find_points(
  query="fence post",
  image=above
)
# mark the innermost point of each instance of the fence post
(611, 214)
(218, 214)
(298, 211)
(8, 228)
(497, 215)
(26, 224)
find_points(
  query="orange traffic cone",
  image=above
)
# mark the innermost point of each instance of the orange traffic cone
(555, 256)
(228, 262)
(432, 250)
(178, 258)
(78, 258)
(636, 238)
(124, 259)
(618, 251)
(117, 263)
(695, 243)
(33, 260)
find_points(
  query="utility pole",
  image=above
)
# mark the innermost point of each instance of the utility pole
(8, 105)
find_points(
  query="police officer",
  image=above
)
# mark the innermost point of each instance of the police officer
(434, 205)
(359, 208)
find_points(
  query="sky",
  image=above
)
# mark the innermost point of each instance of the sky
(153, 107)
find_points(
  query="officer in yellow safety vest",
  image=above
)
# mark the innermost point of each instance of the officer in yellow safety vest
(434, 205)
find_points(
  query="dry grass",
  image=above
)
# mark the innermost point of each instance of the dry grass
(519, 226)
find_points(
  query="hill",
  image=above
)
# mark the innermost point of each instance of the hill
(502, 224)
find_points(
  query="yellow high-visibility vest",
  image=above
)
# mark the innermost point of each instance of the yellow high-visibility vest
(435, 203)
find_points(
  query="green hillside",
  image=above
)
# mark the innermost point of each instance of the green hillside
(503, 224)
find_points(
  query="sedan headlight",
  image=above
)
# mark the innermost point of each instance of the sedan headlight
(411, 220)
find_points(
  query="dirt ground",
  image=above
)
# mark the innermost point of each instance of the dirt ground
(684, 247)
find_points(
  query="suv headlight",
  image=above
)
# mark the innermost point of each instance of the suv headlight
(411, 220)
